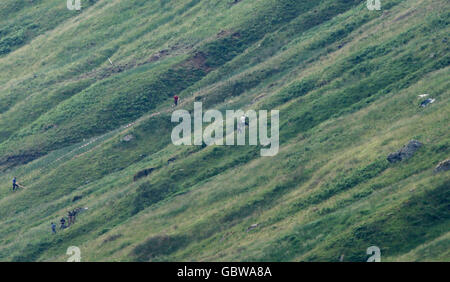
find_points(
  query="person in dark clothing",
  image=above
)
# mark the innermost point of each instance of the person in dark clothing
(175, 100)
(63, 223)
(53, 228)
(70, 214)
(74, 215)
(15, 186)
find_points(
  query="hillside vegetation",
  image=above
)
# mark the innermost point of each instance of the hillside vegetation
(345, 79)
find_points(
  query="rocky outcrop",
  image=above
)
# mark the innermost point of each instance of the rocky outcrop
(443, 166)
(405, 153)
(143, 173)
(77, 198)
(427, 102)
(253, 226)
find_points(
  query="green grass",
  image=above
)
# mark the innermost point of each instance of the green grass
(345, 79)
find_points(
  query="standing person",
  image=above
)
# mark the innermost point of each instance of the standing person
(53, 228)
(175, 100)
(15, 186)
(69, 213)
(74, 214)
(63, 223)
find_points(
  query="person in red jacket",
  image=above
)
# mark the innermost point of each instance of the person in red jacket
(175, 100)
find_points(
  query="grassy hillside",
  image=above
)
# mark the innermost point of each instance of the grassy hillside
(345, 79)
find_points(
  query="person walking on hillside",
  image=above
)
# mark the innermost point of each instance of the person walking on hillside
(70, 215)
(74, 214)
(14, 182)
(175, 100)
(53, 228)
(63, 223)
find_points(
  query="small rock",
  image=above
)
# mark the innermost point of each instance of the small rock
(143, 173)
(442, 166)
(427, 102)
(405, 153)
(253, 226)
(128, 138)
(77, 198)
(50, 126)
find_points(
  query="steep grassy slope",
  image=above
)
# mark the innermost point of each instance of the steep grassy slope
(345, 79)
